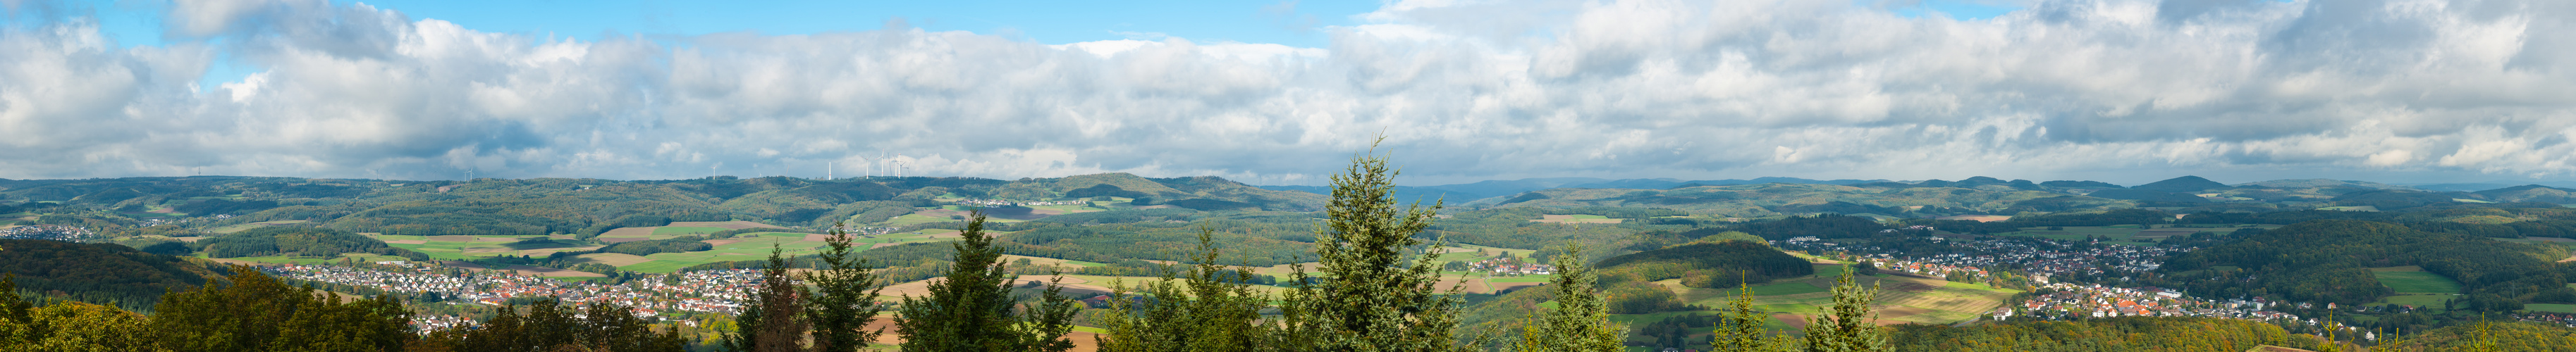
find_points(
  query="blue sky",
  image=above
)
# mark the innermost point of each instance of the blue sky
(2123, 91)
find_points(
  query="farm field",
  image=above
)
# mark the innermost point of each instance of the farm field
(239, 228)
(2548, 307)
(2410, 279)
(749, 246)
(1900, 300)
(2434, 301)
(468, 247)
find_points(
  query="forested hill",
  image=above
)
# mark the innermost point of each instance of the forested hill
(551, 205)
(2329, 261)
(1724, 263)
(106, 274)
(1985, 195)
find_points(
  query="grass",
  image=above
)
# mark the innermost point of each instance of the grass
(2417, 282)
(2548, 307)
(684, 230)
(1786, 288)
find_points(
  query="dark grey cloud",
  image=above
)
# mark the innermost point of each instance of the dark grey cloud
(2125, 91)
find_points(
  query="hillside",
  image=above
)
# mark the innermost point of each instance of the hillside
(1775, 199)
(1708, 264)
(2114, 334)
(97, 273)
(2331, 261)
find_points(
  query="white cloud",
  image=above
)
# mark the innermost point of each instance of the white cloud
(2135, 90)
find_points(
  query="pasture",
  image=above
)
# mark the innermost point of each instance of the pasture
(756, 246)
(2415, 281)
(240, 227)
(1900, 299)
(2435, 301)
(469, 247)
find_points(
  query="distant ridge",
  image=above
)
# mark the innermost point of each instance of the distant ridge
(2320, 182)
(1465, 192)
(2185, 184)
(2531, 193)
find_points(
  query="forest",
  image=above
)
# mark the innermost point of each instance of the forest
(106, 274)
(1718, 264)
(2328, 261)
(2123, 334)
(306, 241)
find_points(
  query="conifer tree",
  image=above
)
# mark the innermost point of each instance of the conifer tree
(1374, 291)
(972, 310)
(1741, 329)
(773, 320)
(1845, 326)
(1204, 309)
(1581, 322)
(844, 299)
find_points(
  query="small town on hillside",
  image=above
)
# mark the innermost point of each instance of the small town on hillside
(2042, 259)
(709, 291)
(47, 232)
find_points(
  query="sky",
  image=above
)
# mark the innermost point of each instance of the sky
(2122, 91)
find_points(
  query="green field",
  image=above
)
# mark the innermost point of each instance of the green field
(2435, 301)
(683, 230)
(1786, 288)
(2547, 307)
(2417, 282)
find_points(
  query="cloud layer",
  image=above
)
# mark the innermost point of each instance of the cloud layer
(2124, 91)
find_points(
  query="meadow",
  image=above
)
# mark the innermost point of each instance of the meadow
(2412, 279)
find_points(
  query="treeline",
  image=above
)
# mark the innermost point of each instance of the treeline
(2326, 261)
(100, 273)
(2121, 334)
(681, 244)
(1122, 216)
(306, 241)
(1819, 225)
(636, 220)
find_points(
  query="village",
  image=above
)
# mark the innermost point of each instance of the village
(1007, 202)
(47, 232)
(2042, 259)
(2076, 301)
(709, 291)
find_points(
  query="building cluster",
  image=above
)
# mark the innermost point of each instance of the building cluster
(1006, 202)
(2040, 258)
(2561, 319)
(716, 291)
(2071, 301)
(1941, 266)
(47, 232)
(1509, 266)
